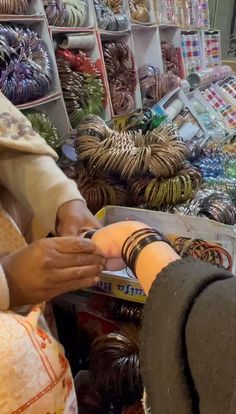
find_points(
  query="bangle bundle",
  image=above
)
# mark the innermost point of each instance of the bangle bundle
(136, 243)
(201, 250)
(115, 369)
(155, 85)
(110, 15)
(89, 234)
(25, 64)
(170, 56)
(81, 83)
(127, 311)
(100, 192)
(13, 6)
(140, 10)
(66, 13)
(121, 73)
(42, 124)
(172, 190)
(158, 152)
(219, 170)
(212, 204)
(141, 120)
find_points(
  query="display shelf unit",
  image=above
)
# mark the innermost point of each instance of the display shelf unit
(144, 40)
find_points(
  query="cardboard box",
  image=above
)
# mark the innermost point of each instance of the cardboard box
(120, 284)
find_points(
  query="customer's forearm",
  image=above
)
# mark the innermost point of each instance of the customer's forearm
(150, 262)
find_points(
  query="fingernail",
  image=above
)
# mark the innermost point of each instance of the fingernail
(96, 280)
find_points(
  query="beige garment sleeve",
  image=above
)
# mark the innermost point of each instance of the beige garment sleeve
(4, 296)
(28, 169)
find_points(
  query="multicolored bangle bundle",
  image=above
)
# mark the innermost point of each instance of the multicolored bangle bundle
(25, 64)
(110, 15)
(204, 251)
(42, 124)
(66, 13)
(82, 85)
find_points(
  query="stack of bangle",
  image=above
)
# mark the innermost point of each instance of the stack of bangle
(89, 233)
(136, 243)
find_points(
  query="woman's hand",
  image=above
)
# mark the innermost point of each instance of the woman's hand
(50, 267)
(73, 218)
(110, 240)
(150, 261)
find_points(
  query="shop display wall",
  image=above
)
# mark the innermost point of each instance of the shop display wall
(96, 68)
(152, 31)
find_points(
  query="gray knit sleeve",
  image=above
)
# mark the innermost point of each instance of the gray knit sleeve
(166, 372)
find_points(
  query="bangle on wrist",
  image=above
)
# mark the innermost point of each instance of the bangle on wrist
(89, 233)
(134, 245)
(133, 238)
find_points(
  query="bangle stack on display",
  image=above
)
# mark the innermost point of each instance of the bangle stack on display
(152, 165)
(134, 98)
(64, 13)
(81, 84)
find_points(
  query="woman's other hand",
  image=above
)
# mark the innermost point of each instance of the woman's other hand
(73, 218)
(50, 267)
(110, 240)
(151, 259)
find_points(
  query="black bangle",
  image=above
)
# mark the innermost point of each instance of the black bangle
(89, 234)
(139, 247)
(136, 235)
(132, 238)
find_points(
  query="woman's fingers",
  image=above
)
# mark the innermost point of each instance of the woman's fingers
(64, 261)
(76, 274)
(75, 245)
(73, 285)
